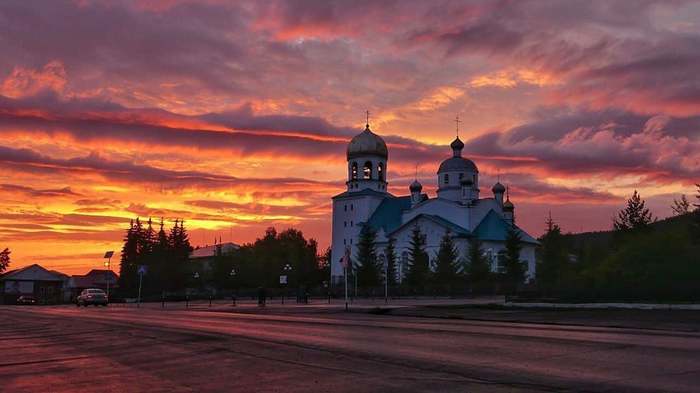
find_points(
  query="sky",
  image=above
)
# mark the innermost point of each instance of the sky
(235, 116)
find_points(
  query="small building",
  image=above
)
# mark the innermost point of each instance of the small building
(203, 257)
(104, 279)
(46, 286)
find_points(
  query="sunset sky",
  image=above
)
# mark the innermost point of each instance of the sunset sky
(235, 117)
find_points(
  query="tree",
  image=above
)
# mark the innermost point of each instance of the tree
(180, 250)
(418, 269)
(681, 206)
(5, 259)
(513, 268)
(446, 264)
(390, 255)
(368, 270)
(695, 233)
(127, 264)
(635, 216)
(552, 257)
(478, 268)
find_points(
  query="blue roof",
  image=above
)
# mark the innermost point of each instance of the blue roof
(387, 216)
(494, 227)
(454, 228)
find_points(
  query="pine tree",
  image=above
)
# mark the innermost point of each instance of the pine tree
(446, 264)
(127, 265)
(161, 250)
(478, 268)
(553, 257)
(680, 206)
(513, 268)
(368, 270)
(418, 270)
(390, 255)
(635, 216)
(4, 259)
(180, 250)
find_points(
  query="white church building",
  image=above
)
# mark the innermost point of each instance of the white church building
(458, 208)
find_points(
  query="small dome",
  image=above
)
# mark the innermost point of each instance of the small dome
(498, 188)
(457, 144)
(367, 143)
(415, 186)
(457, 164)
(508, 205)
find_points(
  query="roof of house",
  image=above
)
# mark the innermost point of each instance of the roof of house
(33, 272)
(95, 277)
(494, 227)
(387, 216)
(210, 251)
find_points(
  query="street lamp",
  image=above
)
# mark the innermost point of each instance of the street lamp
(108, 265)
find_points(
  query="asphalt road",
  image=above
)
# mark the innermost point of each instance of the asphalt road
(61, 349)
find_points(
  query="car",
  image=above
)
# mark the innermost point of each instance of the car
(94, 296)
(26, 299)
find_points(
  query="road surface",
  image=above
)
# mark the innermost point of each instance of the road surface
(62, 349)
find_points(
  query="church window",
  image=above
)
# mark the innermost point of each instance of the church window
(367, 170)
(351, 207)
(380, 171)
(350, 240)
(345, 241)
(351, 224)
(447, 178)
(345, 223)
(354, 171)
(346, 207)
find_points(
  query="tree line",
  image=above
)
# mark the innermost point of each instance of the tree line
(443, 273)
(166, 258)
(5, 259)
(640, 259)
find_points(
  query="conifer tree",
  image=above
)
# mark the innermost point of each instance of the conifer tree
(553, 257)
(446, 264)
(127, 265)
(390, 255)
(368, 270)
(513, 268)
(418, 270)
(4, 259)
(635, 216)
(478, 268)
(681, 206)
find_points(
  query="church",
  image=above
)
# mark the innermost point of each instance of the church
(458, 208)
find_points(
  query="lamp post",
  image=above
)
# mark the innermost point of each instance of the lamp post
(232, 274)
(108, 265)
(286, 269)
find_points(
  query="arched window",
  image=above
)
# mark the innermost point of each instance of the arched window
(447, 178)
(367, 170)
(380, 171)
(354, 171)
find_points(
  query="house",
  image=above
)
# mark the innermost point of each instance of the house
(106, 280)
(46, 286)
(203, 257)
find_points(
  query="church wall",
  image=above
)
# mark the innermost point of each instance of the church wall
(348, 213)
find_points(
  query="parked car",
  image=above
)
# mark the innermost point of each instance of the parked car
(26, 299)
(94, 296)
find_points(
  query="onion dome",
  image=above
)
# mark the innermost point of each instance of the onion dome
(508, 205)
(498, 188)
(367, 143)
(457, 145)
(457, 163)
(415, 186)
